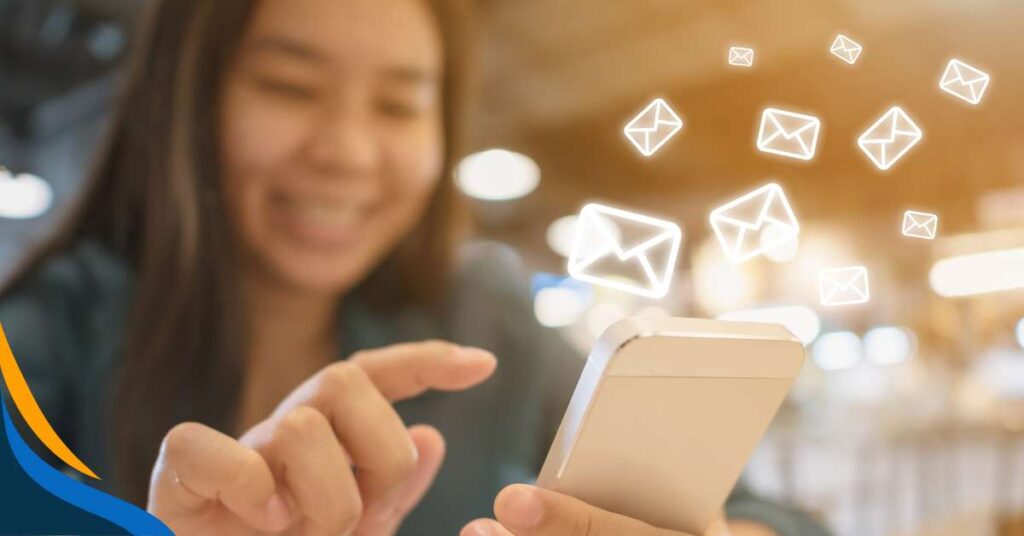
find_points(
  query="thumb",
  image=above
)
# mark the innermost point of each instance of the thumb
(531, 511)
(430, 447)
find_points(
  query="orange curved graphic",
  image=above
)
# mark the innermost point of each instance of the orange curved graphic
(29, 409)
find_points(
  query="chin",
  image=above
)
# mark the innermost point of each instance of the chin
(331, 274)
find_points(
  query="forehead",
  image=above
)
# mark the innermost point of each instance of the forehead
(368, 33)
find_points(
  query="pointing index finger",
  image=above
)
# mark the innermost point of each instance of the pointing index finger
(407, 370)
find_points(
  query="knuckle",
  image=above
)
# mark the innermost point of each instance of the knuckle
(347, 515)
(584, 526)
(178, 440)
(299, 423)
(356, 357)
(342, 376)
(248, 469)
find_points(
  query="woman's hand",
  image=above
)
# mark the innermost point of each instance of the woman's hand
(523, 510)
(333, 459)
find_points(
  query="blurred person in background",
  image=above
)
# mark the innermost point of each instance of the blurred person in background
(252, 298)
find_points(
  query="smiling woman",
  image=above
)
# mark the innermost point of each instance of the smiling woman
(288, 130)
(285, 146)
(243, 315)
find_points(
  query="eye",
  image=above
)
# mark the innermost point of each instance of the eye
(287, 89)
(398, 108)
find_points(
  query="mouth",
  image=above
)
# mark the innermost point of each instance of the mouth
(319, 221)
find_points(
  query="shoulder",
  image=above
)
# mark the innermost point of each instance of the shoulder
(86, 275)
(57, 307)
(491, 304)
(490, 269)
(489, 291)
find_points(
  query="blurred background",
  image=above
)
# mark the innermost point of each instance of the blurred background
(909, 417)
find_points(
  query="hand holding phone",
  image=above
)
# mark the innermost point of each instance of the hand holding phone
(665, 415)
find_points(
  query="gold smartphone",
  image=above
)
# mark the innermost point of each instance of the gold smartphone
(666, 414)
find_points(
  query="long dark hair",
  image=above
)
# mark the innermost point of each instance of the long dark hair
(153, 199)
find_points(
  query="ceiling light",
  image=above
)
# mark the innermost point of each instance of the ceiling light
(497, 175)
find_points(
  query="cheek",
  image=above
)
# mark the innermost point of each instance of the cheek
(255, 140)
(416, 168)
(255, 136)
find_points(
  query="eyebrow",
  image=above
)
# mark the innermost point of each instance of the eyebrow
(405, 74)
(411, 75)
(289, 47)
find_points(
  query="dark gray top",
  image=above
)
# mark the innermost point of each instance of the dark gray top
(65, 325)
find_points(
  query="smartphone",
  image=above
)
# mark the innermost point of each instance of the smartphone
(666, 414)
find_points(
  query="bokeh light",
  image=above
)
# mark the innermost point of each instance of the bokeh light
(603, 314)
(838, 350)
(889, 345)
(557, 307)
(23, 196)
(720, 285)
(653, 311)
(982, 273)
(497, 175)
(784, 252)
(561, 233)
(1020, 333)
(819, 247)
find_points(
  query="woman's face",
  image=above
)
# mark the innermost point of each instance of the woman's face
(332, 135)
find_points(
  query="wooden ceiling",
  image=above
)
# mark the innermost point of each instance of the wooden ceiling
(562, 77)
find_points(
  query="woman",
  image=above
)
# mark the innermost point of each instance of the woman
(247, 285)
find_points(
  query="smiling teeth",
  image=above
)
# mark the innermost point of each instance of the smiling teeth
(326, 213)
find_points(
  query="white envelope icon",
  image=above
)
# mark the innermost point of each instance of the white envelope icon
(844, 286)
(653, 127)
(742, 57)
(920, 225)
(788, 134)
(890, 138)
(965, 82)
(754, 223)
(625, 251)
(846, 49)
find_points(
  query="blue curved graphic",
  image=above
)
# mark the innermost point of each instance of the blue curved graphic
(128, 517)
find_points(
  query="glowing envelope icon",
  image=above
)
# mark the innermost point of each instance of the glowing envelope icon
(755, 223)
(653, 127)
(890, 138)
(625, 251)
(964, 82)
(846, 49)
(741, 56)
(844, 286)
(920, 225)
(788, 134)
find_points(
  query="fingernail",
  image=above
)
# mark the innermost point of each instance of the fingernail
(415, 453)
(480, 528)
(386, 508)
(385, 511)
(474, 354)
(522, 507)
(277, 511)
(719, 528)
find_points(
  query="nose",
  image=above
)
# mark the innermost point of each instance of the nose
(344, 144)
